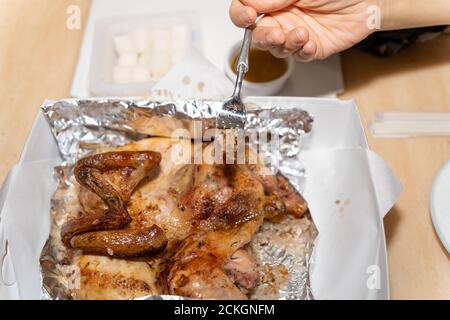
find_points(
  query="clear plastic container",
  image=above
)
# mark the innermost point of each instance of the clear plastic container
(104, 56)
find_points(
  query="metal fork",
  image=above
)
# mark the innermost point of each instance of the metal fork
(232, 114)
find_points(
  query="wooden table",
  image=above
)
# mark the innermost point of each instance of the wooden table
(417, 79)
(38, 55)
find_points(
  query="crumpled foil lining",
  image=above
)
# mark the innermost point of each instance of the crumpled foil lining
(282, 249)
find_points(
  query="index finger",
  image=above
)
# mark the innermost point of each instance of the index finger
(241, 15)
(267, 6)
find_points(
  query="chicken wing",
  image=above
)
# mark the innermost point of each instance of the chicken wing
(123, 172)
(154, 201)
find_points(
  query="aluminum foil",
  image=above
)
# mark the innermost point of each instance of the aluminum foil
(282, 249)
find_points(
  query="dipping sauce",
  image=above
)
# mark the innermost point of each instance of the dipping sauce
(264, 67)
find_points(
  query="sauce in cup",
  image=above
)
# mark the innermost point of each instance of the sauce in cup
(264, 67)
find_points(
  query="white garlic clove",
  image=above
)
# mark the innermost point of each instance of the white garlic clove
(129, 59)
(161, 46)
(159, 66)
(142, 40)
(122, 74)
(144, 59)
(123, 44)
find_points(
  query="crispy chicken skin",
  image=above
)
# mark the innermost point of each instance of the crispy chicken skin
(282, 191)
(242, 270)
(198, 268)
(104, 278)
(224, 196)
(228, 200)
(99, 232)
(151, 225)
(154, 201)
(122, 243)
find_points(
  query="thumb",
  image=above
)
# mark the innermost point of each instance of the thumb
(267, 6)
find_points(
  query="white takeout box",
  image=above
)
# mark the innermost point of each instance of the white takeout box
(349, 190)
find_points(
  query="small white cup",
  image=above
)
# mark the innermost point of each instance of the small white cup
(258, 88)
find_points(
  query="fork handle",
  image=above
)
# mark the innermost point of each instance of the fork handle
(242, 61)
(245, 48)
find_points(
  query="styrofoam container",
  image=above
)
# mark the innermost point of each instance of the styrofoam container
(349, 259)
(104, 55)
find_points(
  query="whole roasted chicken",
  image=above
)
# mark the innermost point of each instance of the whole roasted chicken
(145, 223)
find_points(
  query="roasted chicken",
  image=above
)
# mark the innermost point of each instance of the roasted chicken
(148, 224)
(113, 177)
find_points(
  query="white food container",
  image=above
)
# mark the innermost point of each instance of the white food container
(112, 32)
(349, 190)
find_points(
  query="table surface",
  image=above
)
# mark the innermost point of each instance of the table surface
(38, 55)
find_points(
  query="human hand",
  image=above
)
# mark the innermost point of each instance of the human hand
(307, 29)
